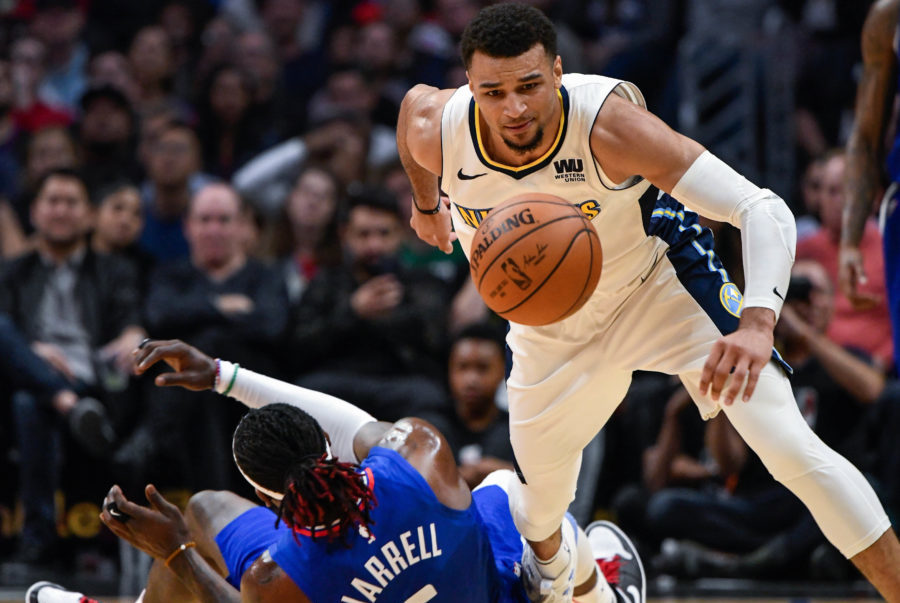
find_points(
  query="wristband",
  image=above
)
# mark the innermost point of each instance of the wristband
(233, 377)
(427, 212)
(181, 548)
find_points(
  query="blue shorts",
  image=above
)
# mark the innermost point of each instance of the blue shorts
(245, 538)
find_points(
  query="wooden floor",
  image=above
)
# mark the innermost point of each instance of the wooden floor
(12, 598)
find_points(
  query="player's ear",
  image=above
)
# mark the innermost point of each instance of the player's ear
(557, 71)
(471, 85)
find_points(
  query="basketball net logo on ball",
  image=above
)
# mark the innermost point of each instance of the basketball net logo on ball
(535, 259)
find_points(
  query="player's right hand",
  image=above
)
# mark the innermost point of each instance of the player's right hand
(191, 368)
(435, 229)
(852, 274)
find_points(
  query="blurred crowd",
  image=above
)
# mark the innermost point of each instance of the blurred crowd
(225, 172)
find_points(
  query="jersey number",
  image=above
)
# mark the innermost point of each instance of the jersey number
(426, 593)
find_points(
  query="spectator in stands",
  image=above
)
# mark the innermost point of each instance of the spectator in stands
(107, 134)
(868, 330)
(112, 68)
(9, 135)
(340, 144)
(80, 311)
(303, 64)
(173, 177)
(58, 25)
(150, 55)
(475, 427)
(118, 226)
(811, 196)
(28, 59)
(255, 55)
(306, 236)
(369, 330)
(221, 300)
(229, 131)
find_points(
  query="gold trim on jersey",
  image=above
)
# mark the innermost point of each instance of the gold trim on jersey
(553, 148)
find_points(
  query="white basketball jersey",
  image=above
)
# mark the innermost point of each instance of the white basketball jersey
(476, 183)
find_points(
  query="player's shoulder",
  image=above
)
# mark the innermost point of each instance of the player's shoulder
(427, 102)
(882, 20)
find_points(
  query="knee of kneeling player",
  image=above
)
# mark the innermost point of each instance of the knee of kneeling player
(787, 458)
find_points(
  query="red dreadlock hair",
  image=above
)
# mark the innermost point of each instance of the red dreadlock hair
(283, 449)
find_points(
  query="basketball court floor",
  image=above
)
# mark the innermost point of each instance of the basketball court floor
(19, 597)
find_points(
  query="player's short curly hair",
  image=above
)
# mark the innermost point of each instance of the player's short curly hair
(507, 30)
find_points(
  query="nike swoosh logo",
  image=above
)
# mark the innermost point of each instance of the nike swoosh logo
(775, 291)
(462, 176)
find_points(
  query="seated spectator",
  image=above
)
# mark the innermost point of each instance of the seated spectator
(229, 132)
(868, 330)
(58, 25)
(28, 59)
(223, 301)
(80, 311)
(118, 225)
(48, 149)
(150, 55)
(344, 143)
(306, 236)
(106, 136)
(111, 68)
(475, 427)
(173, 177)
(10, 135)
(369, 330)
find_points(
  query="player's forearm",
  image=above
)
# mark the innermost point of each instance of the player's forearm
(861, 380)
(341, 420)
(196, 574)
(862, 183)
(768, 229)
(426, 192)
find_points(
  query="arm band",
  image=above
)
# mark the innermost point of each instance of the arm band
(768, 230)
(341, 420)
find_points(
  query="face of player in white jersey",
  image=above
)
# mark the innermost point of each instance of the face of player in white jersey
(518, 102)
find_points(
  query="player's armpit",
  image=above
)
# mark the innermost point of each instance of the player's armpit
(266, 582)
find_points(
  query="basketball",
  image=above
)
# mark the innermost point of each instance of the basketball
(535, 259)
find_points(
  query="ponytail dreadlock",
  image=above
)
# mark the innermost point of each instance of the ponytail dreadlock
(283, 449)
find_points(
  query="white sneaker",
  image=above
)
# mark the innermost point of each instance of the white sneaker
(619, 561)
(551, 589)
(48, 592)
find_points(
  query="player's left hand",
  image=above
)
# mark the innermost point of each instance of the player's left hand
(741, 354)
(157, 530)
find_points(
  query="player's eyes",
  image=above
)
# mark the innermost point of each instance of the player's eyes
(493, 93)
(529, 86)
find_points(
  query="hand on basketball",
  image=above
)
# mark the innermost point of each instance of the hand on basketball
(191, 368)
(157, 530)
(852, 274)
(435, 229)
(741, 354)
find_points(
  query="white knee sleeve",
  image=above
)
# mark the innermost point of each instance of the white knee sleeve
(836, 493)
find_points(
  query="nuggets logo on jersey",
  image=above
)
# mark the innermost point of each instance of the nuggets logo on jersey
(474, 217)
(731, 299)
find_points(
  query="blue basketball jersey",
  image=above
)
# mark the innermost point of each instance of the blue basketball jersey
(893, 158)
(418, 550)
